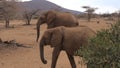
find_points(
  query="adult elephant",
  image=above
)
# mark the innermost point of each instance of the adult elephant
(55, 18)
(67, 39)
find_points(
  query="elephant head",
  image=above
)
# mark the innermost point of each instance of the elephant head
(46, 17)
(51, 37)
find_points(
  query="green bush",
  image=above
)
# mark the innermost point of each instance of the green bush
(103, 50)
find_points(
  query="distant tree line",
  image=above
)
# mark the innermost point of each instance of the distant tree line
(89, 13)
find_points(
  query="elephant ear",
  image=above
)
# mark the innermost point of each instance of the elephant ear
(51, 15)
(56, 38)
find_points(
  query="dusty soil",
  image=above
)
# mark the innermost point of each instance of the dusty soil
(21, 57)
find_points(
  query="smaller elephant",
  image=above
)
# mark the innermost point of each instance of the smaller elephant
(68, 39)
(54, 19)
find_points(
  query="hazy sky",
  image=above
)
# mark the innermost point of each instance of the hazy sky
(103, 6)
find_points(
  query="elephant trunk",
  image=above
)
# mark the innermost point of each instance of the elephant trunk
(42, 52)
(38, 29)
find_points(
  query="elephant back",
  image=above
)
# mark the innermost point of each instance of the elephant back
(75, 37)
(65, 19)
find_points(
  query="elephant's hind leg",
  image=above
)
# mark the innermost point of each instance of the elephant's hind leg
(55, 55)
(72, 61)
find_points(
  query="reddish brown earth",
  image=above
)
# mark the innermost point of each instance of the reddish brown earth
(21, 57)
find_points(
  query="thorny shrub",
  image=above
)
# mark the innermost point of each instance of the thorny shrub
(103, 50)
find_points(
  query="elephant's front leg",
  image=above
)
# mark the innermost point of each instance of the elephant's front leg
(72, 61)
(55, 55)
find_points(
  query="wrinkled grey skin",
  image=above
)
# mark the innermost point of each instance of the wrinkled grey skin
(68, 39)
(55, 19)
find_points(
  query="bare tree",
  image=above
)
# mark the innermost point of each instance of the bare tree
(89, 11)
(7, 10)
(27, 15)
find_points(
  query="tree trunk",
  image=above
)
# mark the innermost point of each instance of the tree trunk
(7, 22)
(89, 17)
(29, 21)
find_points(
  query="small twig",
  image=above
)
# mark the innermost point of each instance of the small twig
(21, 45)
(13, 42)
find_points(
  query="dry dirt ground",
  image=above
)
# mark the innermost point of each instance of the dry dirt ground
(21, 57)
